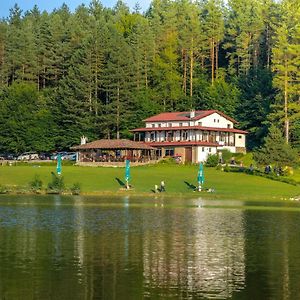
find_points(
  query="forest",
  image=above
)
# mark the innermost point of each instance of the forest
(100, 71)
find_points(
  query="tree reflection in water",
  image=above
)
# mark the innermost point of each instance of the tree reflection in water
(85, 248)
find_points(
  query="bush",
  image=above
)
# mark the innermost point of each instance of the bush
(57, 185)
(226, 155)
(167, 161)
(212, 161)
(3, 189)
(75, 188)
(36, 185)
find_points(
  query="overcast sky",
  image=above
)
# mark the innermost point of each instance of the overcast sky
(49, 5)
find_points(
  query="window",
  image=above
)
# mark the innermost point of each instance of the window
(214, 120)
(159, 125)
(184, 135)
(200, 123)
(240, 136)
(153, 125)
(152, 136)
(218, 121)
(209, 149)
(180, 124)
(169, 152)
(170, 124)
(228, 125)
(158, 152)
(203, 149)
(222, 136)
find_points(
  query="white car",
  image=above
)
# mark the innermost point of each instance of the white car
(28, 156)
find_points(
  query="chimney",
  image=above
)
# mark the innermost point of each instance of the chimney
(83, 140)
(192, 114)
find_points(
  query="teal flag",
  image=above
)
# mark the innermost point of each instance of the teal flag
(58, 166)
(127, 170)
(200, 176)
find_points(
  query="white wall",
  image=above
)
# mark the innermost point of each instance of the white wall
(240, 140)
(215, 120)
(202, 155)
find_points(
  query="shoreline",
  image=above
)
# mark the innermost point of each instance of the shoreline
(184, 196)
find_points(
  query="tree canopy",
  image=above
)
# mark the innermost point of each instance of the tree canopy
(99, 71)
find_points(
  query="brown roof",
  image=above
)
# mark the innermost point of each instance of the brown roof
(185, 116)
(114, 144)
(145, 129)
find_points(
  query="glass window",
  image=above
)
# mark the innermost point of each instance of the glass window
(152, 136)
(240, 136)
(169, 152)
(203, 149)
(228, 125)
(170, 124)
(184, 135)
(180, 124)
(153, 125)
(209, 149)
(159, 125)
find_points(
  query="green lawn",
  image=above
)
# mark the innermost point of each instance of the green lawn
(102, 180)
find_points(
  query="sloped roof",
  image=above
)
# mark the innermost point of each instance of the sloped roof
(114, 144)
(185, 116)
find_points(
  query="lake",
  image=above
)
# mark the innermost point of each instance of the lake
(60, 247)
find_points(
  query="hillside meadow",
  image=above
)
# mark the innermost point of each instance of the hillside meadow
(179, 180)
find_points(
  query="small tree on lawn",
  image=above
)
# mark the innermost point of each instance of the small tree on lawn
(275, 150)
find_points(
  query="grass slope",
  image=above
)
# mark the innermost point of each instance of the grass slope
(102, 180)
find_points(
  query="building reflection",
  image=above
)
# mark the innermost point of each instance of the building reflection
(79, 250)
(205, 255)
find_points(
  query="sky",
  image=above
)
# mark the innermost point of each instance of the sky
(49, 5)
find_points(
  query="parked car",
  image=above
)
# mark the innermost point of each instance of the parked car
(70, 156)
(62, 154)
(28, 156)
(45, 156)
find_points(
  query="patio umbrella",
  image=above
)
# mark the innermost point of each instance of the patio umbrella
(127, 172)
(200, 176)
(58, 165)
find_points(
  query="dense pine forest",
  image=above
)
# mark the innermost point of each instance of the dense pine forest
(99, 71)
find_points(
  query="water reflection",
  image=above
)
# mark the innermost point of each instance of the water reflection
(66, 249)
(204, 255)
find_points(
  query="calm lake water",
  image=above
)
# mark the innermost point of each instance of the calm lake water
(131, 248)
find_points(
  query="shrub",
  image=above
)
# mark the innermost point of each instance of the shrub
(57, 184)
(226, 155)
(36, 185)
(75, 188)
(3, 189)
(167, 160)
(212, 161)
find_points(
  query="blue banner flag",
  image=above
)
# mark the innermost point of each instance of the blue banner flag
(200, 176)
(127, 170)
(58, 166)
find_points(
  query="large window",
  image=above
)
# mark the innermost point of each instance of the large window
(169, 152)
(184, 135)
(152, 136)
(158, 152)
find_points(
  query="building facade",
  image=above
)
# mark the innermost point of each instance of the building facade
(191, 136)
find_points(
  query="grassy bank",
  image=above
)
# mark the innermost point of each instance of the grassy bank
(177, 178)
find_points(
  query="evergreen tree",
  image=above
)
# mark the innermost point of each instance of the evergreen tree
(286, 62)
(275, 150)
(25, 120)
